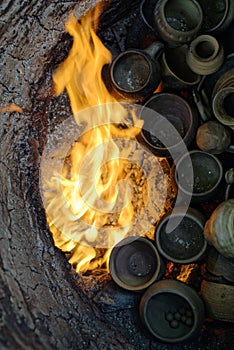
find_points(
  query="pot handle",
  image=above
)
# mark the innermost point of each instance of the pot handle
(154, 50)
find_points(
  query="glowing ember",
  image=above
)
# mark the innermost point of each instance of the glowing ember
(100, 194)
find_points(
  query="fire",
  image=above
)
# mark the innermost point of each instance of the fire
(91, 207)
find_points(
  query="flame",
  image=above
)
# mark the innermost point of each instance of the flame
(11, 107)
(89, 206)
(91, 184)
(185, 272)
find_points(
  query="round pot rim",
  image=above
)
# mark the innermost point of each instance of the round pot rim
(174, 287)
(190, 128)
(114, 252)
(125, 53)
(185, 33)
(202, 194)
(191, 212)
(205, 38)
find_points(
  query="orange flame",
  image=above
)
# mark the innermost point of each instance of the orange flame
(81, 75)
(89, 206)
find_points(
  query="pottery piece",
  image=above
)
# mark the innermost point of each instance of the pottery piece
(223, 106)
(213, 137)
(147, 11)
(135, 263)
(219, 266)
(172, 311)
(205, 55)
(219, 300)
(229, 178)
(178, 22)
(207, 175)
(169, 121)
(185, 244)
(135, 74)
(219, 229)
(176, 74)
(218, 14)
(209, 84)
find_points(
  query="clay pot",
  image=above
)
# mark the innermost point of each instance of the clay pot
(220, 266)
(218, 14)
(229, 178)
(172, 311)
(179, 21)
(213, 137)
(205, 55)
(223, 106)
(176, 73)
(147, 11)
(201, 183)
(185, 243)
(135, 263)
(219, 300)
(169, 124)
(135, 74)
(219, 229)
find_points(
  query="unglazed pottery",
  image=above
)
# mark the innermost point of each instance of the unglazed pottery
(172, 311)
(135, 74)
(185, 244)
(168, 121)
(219, 300)
(207, 175)
(135, 263)
(218, 14)
(219, 229)
(176, 74)
(205, 55)
(179, 21)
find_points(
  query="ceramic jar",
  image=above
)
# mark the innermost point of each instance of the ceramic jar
(135, 74)
(219, 300)
(198, 174)
(185, 244)
(178, 22)
(135, 263)
(176, 73)
(169, 124)
(218, 14)
(219, 229)
(219, 266)
(172, 311)
(223, 106)
(205, 55)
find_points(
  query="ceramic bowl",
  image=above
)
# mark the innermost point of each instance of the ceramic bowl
(185, 243)
(135, 263)
(207, 175)
(172, 311)
(169, 124)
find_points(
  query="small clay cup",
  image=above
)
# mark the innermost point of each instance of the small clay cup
(176, 73)
(205, 55)
(135, 74)
(178, 22)
(135, 263)
(185, 244)
(169, 124)
(207, 175)
(172, 311)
